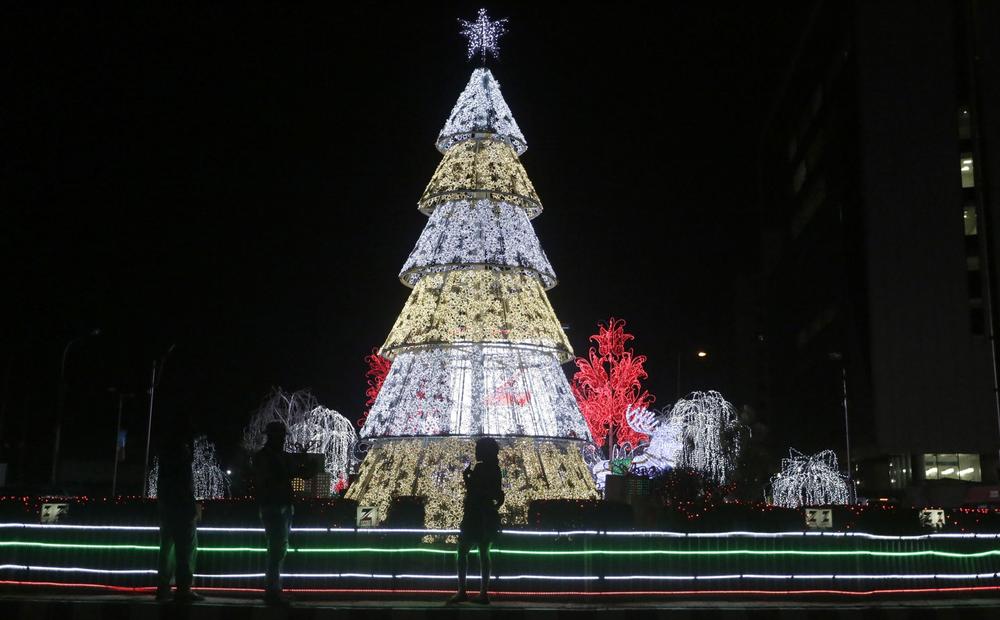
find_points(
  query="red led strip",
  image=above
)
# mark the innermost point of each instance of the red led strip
(529, 594)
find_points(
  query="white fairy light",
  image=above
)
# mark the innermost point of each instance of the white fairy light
(809, 480)
(481, 109)
(467, 234)
(483, 35)
(666, 439)
(210, 481)
(311, 428)
(476, 389)
(711, 433)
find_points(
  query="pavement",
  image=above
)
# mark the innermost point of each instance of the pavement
(84, 606)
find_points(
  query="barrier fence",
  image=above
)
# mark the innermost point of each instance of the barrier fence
(528, 563)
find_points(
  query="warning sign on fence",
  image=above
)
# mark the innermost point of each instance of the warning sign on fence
(819, 518)
(367, 516)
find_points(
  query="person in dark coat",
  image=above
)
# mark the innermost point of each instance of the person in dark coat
(179, 514)
(481, 516)
(273, 472)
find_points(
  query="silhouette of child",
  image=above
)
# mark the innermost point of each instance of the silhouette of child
(481, 516)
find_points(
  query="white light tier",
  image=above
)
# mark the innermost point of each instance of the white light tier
(476, 390)
(478, 306)
(432, 468)
(480, 169)
(481, 109)
(477, 233)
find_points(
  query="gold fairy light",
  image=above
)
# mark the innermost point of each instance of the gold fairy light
(481, 168)
(478, 306)
(432, 467)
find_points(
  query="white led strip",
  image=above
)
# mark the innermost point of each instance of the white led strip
(418, 576)
(550, 533)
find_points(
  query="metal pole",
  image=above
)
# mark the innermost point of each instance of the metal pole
(118, 432)
(677, 392)
(149, 433)
(60, 404)
(847, 433)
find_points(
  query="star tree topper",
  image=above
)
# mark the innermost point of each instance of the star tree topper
(483, 35)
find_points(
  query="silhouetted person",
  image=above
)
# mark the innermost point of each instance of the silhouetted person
(179, 513)
(273, 472)
(481, 516)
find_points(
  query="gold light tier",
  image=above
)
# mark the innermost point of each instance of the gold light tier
(432, 467)
(478, 306)
(481, 169)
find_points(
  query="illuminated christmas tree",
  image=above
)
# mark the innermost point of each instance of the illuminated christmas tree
(477, 349)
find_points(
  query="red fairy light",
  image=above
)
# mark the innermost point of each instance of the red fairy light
(378, 368)
(608, 382)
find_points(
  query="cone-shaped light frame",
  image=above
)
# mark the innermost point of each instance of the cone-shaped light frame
(481, 109)
(473, 234)
(478, 306)
(432, 467)
(476, 390)
(481, 169)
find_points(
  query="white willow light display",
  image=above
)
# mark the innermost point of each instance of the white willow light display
(711, 433)
(210, 481)
(476, 349)
(809, 481)
(311, 428)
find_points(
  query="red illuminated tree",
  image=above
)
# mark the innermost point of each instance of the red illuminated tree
(608, 382)
(378, 368)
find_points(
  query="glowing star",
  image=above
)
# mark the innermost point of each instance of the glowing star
(483, 35)
(809, 481)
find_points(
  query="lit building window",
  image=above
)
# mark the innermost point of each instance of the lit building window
(968, 171)
(952, 467)
(969, 218)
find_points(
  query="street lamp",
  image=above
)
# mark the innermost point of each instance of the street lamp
(61, 402)
(118, 433)
(157, 365)
(700, 354)
(839, 357)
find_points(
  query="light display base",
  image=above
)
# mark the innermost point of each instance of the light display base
(432, 467)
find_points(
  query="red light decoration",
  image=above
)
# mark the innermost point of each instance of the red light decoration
(378, 369)
(608, 382)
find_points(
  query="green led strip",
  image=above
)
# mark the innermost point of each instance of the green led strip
(626, 552)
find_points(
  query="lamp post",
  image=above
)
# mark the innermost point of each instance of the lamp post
(700, 354)
(838, 357)
(118, 431)
(61, 403)
(154, 381)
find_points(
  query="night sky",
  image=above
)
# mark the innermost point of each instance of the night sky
(242, 183)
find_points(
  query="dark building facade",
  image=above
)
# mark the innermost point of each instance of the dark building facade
(879, 183)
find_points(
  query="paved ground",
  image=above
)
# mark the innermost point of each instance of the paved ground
(65, 606)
